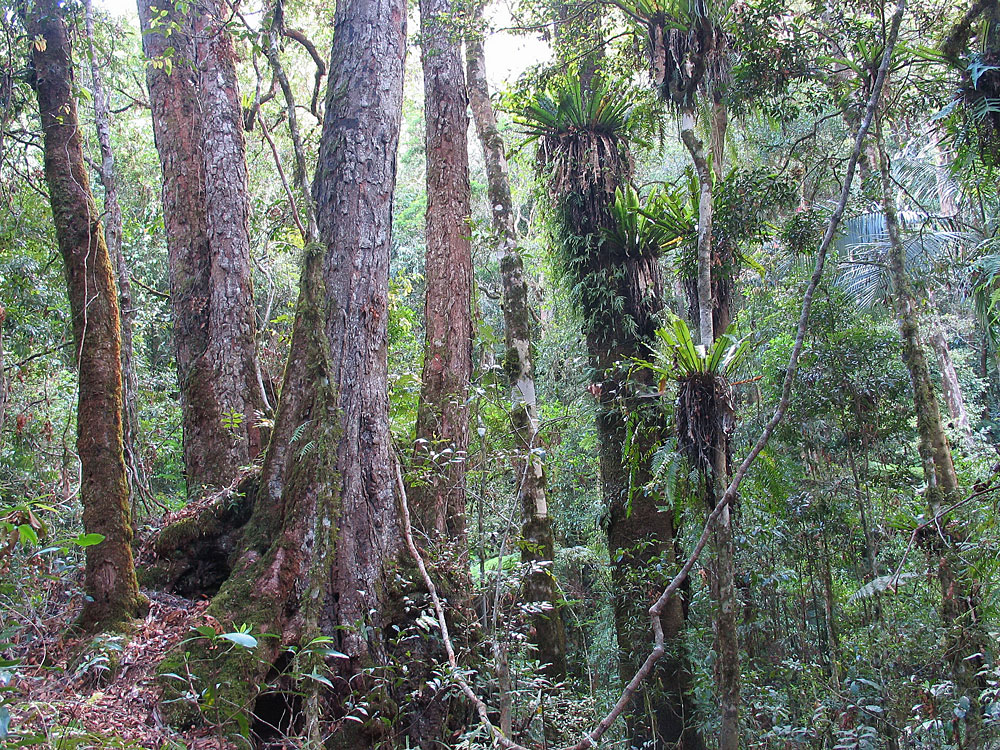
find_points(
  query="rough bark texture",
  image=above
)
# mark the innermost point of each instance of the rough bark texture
(110, 575)
(538, 546)
(958, 595)
(438, 499)
(198, 130)
(641, 539)
(323, 539)
(113, 236)
(696, 148)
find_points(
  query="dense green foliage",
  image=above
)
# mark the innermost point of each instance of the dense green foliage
(842, 642)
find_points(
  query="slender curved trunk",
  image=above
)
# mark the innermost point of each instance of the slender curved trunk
(113, 236)
(696, 149)
(438, 500)
(110, 583)
(959, 598)
(714, 311)
(197, 125)
(951, 388)
(548, 630)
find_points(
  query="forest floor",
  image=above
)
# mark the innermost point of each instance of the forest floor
(64, 694)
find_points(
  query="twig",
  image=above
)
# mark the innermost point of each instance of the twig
(894, 578)
(284, 180)
(36, 355)
(302, 39)
(148, 288)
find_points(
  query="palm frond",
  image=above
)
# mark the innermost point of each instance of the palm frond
(863, 249)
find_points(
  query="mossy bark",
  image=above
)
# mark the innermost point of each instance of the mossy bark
(548, 632)
(321, 546)
(113, 234)
(197, 125)
(192, 556)
(959, 594)
(110, 582)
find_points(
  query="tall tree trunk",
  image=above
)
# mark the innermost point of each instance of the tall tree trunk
(197, 125)
(438, 501)
(321, 547)
(548, 630)
(951, 388)
(113, 236)
(713, 319)
(110, 583)
(832, 639)
(639, 534)
(958, 594)
(696, 149)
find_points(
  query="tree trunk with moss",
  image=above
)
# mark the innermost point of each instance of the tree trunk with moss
(321, 550)
(197, 125)
(538, 547)
(714, 303)
(437, 498)
(959, 597)
(950, 386)
(112, 592)
(113, 236)
(630, 427)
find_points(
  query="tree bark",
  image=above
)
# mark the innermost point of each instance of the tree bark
(951, 388)
(322, 545)
(696, 148)
(538, 548)
(113, 236)
(197, 126)
(829, 613)
(713, 319)
(958, 594)
(438, 500)
(110, 583)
